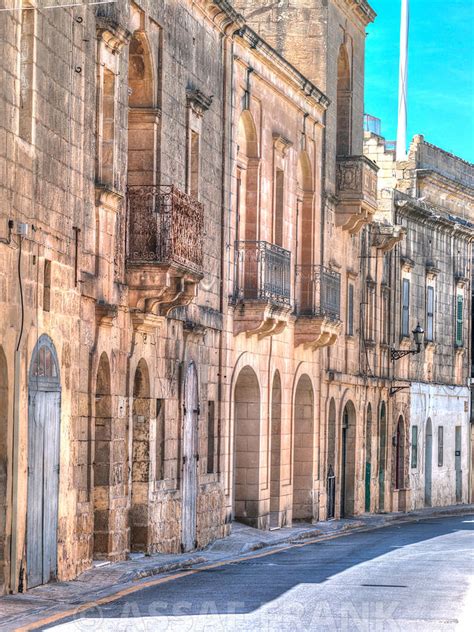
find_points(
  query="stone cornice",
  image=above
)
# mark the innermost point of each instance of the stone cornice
(256, 43)
(222, 14)
(363, 10)
(456, 186)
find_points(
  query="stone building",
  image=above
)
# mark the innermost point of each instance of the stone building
(431, 196)
(113, 142)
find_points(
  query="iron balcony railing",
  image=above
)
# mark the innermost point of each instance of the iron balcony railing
(165, 226)
(318, 291)
(262, 272)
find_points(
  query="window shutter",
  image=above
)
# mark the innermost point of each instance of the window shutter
(459, 320)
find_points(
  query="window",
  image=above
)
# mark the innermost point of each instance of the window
(106, 129)
(210, 436)
(194, 151)
(279, 206)
(350, 310)
(160, 439)
(406, 308)
(430, 305)
(385, 317)
(370, 324)
(27, 59)
(459, 320)
(440, 446)
(414, 447)
(47, 285)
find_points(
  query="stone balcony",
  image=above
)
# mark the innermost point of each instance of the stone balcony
(356, 192)
(164, 248)
(262, 290)
(318, 306)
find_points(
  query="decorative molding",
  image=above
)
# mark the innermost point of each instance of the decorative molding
(386, 236)
(105, 314)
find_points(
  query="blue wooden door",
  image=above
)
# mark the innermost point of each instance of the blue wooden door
(43, 468)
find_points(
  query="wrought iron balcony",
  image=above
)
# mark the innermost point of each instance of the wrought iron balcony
(262, 287)
(164, 247)
(318, 306)
(356, 192)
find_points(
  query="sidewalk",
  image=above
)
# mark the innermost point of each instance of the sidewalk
(107, 579)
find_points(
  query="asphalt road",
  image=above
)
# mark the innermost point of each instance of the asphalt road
(416, 576)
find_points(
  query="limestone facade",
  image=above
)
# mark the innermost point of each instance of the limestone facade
(198, 272)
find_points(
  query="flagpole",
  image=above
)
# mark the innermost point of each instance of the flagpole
(403, 83)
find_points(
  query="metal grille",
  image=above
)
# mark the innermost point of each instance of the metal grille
(319, 291)
(165, 226)
(263, 272)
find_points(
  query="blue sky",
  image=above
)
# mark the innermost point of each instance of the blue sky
(440, 76)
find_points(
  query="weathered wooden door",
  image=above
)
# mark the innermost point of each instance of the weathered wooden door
(43, 465)
(190, 458)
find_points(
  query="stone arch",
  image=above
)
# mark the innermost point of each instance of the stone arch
(400, 454)
(348, 460)
(141, 462)
(4, 408)
(382, 453)
(143, 117)
(303, 450)
(247, 454)
(248, 176)
(344, 103)
(368, 457)
(428, 463)
(103, 431)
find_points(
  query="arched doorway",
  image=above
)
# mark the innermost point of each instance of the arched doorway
(331, 461)
(102, 458)
(428, 463)
(368, 457)
(382, 454)
(344, 103)
(303, 451)
(141, 464)
(275, 453)
(246, 447)
(400, 455)
(348, 457)
(44, 418)
(4, 408)
(190, 458)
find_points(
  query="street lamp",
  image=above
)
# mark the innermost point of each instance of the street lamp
(419, 337)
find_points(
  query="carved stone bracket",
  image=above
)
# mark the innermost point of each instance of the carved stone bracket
(281, 144)
(105, 314)
(108, 198)
(260, 319)
(386, 236)
(144, 322)
(198, 102)
(315, 332)
(114, 35)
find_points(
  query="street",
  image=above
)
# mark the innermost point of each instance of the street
(415, 576)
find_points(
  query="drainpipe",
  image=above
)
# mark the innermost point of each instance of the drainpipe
(14, 570)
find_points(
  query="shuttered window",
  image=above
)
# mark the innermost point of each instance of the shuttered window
(350, 310)
(406, 307)
(440, 446)
(459, 320)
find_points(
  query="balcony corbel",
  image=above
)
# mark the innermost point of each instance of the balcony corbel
(386, 236)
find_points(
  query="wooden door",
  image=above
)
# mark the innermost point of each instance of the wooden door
(44, 409)
(457, 463)
(190, 459)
